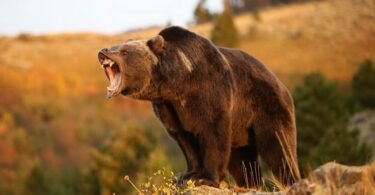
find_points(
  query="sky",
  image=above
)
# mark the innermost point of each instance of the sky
(103, 16)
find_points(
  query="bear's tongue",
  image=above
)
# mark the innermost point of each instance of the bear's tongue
(114, 79)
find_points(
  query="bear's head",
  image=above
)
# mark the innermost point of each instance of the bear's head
(129, 66)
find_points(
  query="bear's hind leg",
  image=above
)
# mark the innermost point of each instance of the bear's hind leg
(279, 152)
(244, 167)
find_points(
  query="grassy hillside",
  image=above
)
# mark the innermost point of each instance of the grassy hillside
(332, 37)
(329, 36)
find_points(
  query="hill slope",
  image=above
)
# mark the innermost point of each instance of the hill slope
(329, 36)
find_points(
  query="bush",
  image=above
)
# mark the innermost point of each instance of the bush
(132, 151)
(363, 85)
(322, 118)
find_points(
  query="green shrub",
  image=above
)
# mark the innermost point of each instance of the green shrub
(363, 85)
(322, 117)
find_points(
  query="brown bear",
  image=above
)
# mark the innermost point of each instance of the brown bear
(221, 105)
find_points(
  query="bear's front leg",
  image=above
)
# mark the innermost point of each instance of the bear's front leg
(189, 146)
(214, 142)
(186, 140)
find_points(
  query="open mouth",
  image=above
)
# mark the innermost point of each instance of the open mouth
(113, 73)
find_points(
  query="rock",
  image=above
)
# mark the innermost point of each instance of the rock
(207, 190)
(341, 175)
(302, 187)
(364, 122)
(334, 178)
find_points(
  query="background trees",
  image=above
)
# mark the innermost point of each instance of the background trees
(201, 13)
(224, 32)
(323, 111)
(363, 85)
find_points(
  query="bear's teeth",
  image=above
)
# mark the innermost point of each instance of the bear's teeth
(111, 64)
(107, 61)
(110, 89)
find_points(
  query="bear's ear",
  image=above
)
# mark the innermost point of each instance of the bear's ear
(156, 44)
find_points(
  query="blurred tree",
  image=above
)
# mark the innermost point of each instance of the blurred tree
(322, 117)
(331, 147)
(89, 181)
(240, 6)
(36, 183)
(133, 152)
(44, 180)
(224, 32)
(201, 13)
(363, 85)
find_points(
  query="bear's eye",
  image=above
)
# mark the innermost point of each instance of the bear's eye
(124, 52)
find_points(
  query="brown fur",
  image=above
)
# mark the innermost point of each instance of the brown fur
(222, 106)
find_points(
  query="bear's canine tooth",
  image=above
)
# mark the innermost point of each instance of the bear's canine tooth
(111, 63)
(107, 61)
(110, 89)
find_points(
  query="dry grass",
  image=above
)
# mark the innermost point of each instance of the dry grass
(162, 182)
(329, 179)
